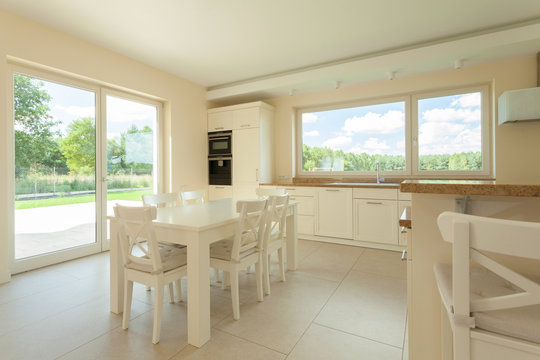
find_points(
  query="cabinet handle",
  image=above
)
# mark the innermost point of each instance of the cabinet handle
(219, 128)
(245, 125)
(373, 202)
(404, 255)
(403, 230)
(332, 189)
(291, 198)
(290, 189)
(219, 187)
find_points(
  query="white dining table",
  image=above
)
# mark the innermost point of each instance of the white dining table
(196, 226)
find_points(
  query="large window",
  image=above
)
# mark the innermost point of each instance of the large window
(442, 134)
(354, 139)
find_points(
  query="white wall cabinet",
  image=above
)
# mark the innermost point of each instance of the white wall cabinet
(334, 212)
(252, 144)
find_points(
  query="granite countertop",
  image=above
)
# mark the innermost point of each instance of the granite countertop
(469, 187)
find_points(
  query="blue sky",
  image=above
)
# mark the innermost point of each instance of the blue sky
(446, 125)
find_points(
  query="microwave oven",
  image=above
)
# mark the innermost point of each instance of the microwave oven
(219, 143)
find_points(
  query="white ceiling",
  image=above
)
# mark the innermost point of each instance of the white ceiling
(251, 49)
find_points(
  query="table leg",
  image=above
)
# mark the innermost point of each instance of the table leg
(116, 271)
(198, 269)
(292, 240)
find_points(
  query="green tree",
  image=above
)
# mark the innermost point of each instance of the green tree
(79, 146)
(34, 136)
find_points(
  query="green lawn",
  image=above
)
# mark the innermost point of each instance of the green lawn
(120, 195)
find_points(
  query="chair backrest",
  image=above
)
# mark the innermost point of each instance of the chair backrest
(263, 192)
(250, 227)
(275, 219)
(193, 197)
(161, 200)
(136, 236)
(470, 235)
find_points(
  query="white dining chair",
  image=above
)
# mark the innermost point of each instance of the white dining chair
(161, 200)
(244, 249)
(192, 197)
(274, 238)
(494, 311)
(145, 261)
(264, 192)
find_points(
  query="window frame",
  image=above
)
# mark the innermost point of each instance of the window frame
(352, 104)
(486, 133)
(411, 135)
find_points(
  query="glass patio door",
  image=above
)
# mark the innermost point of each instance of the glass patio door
(131, 150)
(56, 167)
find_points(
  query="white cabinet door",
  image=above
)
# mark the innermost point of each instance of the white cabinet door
(246, 118)
(216, 192)
(245, 155)
(334, 212)
(375, 221)
(220, 121)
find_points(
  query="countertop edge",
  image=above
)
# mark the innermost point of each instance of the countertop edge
(469, 188)
(345, 185)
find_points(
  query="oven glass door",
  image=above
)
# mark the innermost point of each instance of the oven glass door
(219, 145)
(219, 171)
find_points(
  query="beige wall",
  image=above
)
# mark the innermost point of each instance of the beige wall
(516, 146)
(184, 102)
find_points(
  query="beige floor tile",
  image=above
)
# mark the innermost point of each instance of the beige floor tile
(280, 320)
(368, 305)
(307, 247)
(136, 342)
(330, 261)
(323, 343)
(382, 262)
(94, 265)
(60, 333)
(224, 346)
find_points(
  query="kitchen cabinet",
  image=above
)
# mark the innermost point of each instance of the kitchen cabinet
(216, 192)
(219, 121)
(305, 213)
(334, 214)
(252, 144)
(376, 216)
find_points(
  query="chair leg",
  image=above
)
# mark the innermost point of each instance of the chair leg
(225, 280)
(462, 349)
(158, 309)
(259, 274)
(179, 289)
(171, 293)
(235, 296)
(216, 275)
(128, 294)
(281, 263)
(266, 273)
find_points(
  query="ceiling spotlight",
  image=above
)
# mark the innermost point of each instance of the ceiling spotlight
(458, 63)
(391, 75)
(291, 92)
(338, 84)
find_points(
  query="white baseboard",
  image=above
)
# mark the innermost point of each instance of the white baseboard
(5, 277)
(341, 241)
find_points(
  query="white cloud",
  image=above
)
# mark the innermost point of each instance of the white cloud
(373, 123)
(468, 100)
(311, 133)
(371, 146)
(77, 112)
(450, 114)
(120, 110)
(309, 118)
(337, 143)
(448, 138)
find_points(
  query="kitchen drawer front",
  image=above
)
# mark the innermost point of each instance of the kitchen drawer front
(305, 224)
(299, 190)
(220, 121)
(371, 193)
(305, 204)
(216, 192)
(246, 118)
(376, 221)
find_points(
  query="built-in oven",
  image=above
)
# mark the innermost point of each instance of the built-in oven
(220, 143)
(220, 170)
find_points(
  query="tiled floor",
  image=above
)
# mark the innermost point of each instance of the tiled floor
(342, 303)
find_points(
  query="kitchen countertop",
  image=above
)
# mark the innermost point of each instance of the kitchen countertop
(469, 187)
(339, 184)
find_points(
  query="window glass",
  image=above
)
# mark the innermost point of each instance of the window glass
(353, 139)
(450, 133)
